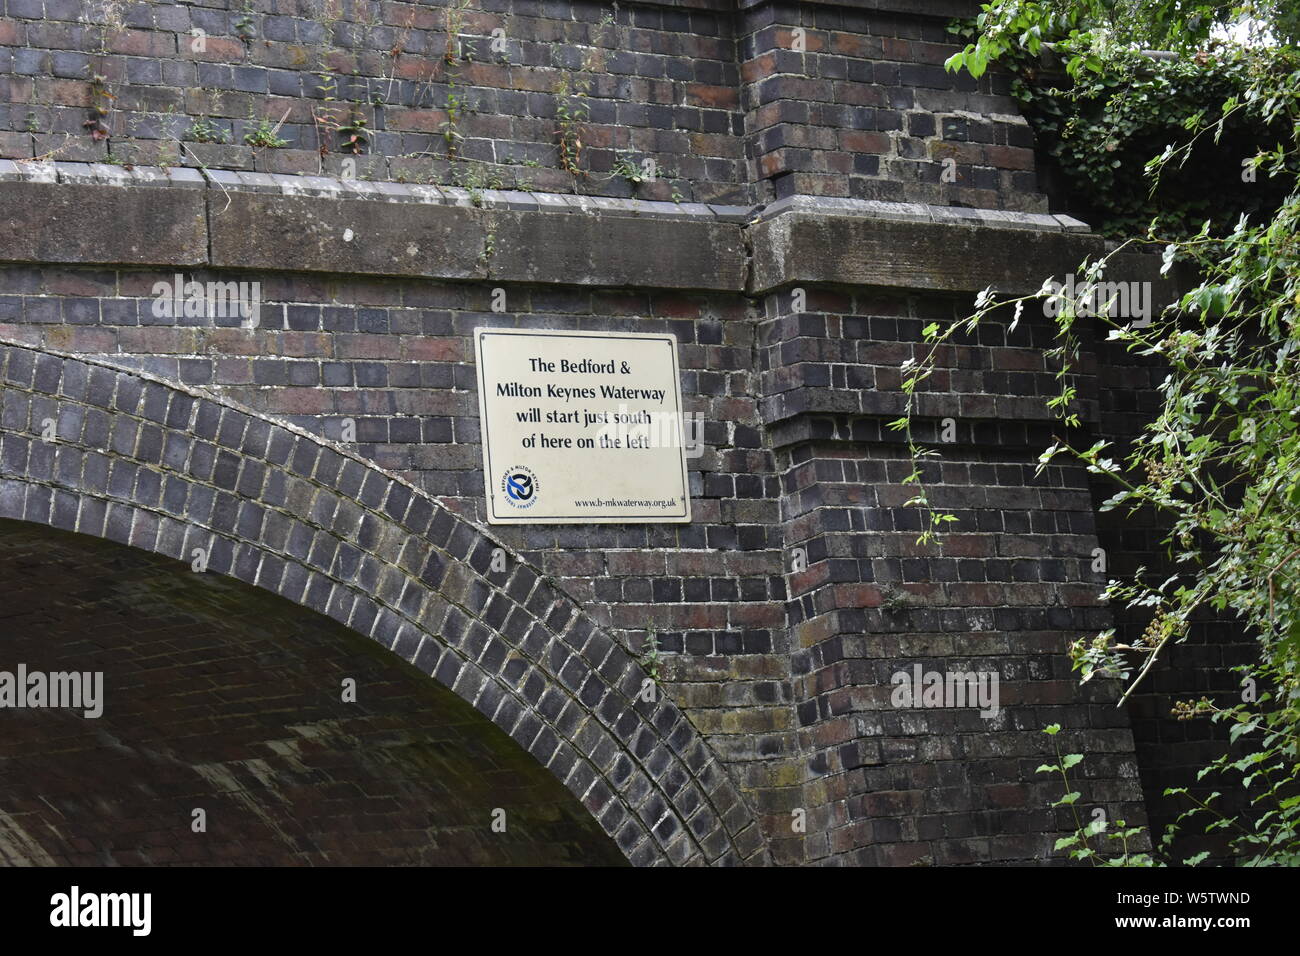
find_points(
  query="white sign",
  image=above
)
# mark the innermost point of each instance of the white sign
(581, 427)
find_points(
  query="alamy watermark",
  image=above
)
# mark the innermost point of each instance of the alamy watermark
(79, 909)
(922, 688)
(1118, 300)
(78, 690)
(178, 298)
(646, 429)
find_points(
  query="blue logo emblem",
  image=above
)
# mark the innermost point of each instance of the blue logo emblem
(520, 487)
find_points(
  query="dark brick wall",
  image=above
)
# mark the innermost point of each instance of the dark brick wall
(817, 166)
(1003, 590)
(1171, 752)
(718, 98)
(786, 674)
(858, 104)
(728, 619)
(396, 358)
(649, 82)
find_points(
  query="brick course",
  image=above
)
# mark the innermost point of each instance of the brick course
(718, 98)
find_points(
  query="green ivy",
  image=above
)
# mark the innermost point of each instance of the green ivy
(1100, 128)
(1155, 146)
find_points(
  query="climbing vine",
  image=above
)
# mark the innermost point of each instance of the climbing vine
(1221, 458)
(1100, 128)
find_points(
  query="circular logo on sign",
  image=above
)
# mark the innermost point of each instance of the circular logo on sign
(520, 487)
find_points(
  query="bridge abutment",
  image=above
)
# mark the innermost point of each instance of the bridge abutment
(826, 191)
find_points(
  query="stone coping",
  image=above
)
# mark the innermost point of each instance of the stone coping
(101, 214)
(107, 174)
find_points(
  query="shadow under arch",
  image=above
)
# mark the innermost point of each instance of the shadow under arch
(233, 727)
(118, 454)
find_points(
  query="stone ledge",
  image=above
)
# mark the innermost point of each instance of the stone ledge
(98, 174)
(615, 251)
(922, 212)
(98, 214)
(946, 253)
(812, 408)
(71, 223)
(250, 230)
(232, 181)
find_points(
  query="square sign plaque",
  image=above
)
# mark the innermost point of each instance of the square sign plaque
(581, 427)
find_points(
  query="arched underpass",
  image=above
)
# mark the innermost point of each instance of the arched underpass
(153, 467)
(223, 698)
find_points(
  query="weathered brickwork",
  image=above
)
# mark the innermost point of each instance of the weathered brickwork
(144, 464)
(785, 672)
(825, 191)
(555, 96)
(1001, 592)
(847, 102)
(394, 361)
(437, 92)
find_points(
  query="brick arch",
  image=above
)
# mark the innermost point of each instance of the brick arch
(146, 463)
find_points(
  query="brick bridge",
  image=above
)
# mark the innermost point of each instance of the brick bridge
(822, 190)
